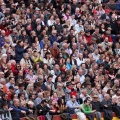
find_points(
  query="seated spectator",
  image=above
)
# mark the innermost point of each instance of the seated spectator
(107, 108)
(87, 109)
(72, 105)
(17, 110)
(96, 105)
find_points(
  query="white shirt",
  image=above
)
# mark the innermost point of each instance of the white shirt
(50, 22)
(82, 79)
(96, 57)
(79, 62)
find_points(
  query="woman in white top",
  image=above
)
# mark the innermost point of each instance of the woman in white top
(51, 21)
(80, 59)
(48, 60)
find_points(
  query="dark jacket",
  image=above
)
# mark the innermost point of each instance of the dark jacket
(96, 106)
(16, 112)
(42, 110)
(19, 53)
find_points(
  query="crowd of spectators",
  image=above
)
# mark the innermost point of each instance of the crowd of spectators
(58, 56)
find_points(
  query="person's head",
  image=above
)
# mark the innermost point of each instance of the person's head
(40, 94)
(5, 96)
(96, 30)
(114, 99)
(21, 86)
(20, 43)
(73, 98)
(110, 92)
(118, 92)
(77, 10)
(21, 96)
(3, 81)
(107, 97)
(95, 98)
(61, 101)
(54, 32)
(55, 45)
(12, 80)
(43, 102)
(30, 104)
(16, 102)
(59, 86)
(31, 72)
(49, 79)
(84, 92)
(80, 72)
(5, 106)
(117, 83)
(106, 40)
(87, 102)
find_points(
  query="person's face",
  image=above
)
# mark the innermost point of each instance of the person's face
(60, 87)
(50, 80)
(12, 81)
(17, 103)
(21, 44)
(73, 99)
(97, 30)
(31, 72)
(87, 103)
(46, 38)
(57, 67)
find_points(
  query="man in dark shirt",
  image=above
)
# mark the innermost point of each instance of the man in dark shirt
(43, 109)
(96, 105)
(107, 107)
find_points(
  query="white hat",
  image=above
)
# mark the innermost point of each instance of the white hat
(37, 8)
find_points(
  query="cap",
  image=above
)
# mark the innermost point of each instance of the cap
(107, 11)
(94, 11)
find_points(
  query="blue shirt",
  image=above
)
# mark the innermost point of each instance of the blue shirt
(70, 104)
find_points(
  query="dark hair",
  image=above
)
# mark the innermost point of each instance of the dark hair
(3, 94)
(10, 78)
(43, 101)
(60, 101)
(47, 53)
(20, 94)
(85, 100)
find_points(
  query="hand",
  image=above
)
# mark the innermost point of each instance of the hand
(93, 111)
(23, 112)
(10, 109)
(31, 111)
(80, 107)
(105, 105)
